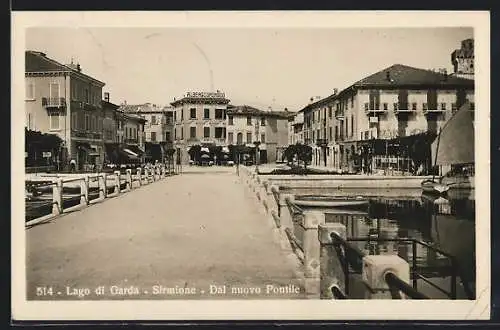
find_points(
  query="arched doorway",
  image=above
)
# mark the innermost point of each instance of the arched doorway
(239, 138)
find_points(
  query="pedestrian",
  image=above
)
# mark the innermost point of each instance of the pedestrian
(72, 165)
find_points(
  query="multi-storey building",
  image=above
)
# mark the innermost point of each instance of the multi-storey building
(395, 102)
(61, 99)
(200, 119)
(247, 125)
(463, 60)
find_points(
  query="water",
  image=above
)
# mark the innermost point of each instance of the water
(447, 224)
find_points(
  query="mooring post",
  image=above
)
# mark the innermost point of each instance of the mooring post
(284, 211)
(311, 247)
(375, 268)
(331, 271)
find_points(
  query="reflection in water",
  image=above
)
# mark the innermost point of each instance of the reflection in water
(444, 223)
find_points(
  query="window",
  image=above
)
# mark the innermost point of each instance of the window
(249, 137)
(329, 112)
(263, 121)
(86, 95)
(263, 138)
(336, 133)
(54, 120)
(182, 133)
(192, 132)
(317, 134)
(182, 114)
(167, 136)
(219, 113)
(74, 95)
(414, 106)
(153, 120)
(424, 106)
(206, 113)
(330, 133)
(352, 125)
(230, 120)
(219, 132)
(453, 107)
(472, 106)
(30, 91)
(175, 133)
(230, 138)
(87, 122)
(313, 135)
(153, 136)
(377, 106)
(443, 106)
(366, 106)
(386, 106)
(28, 121)
(206, 132)
(192, 112)
(249, 120)
(175, 116)
(395, 105)
(74, 123)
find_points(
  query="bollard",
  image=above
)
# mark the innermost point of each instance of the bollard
(311, 247)
(146, 175)
(57, 205)
(117, 182)
(331, 272)
(271, 201)
(84, 191)
(375, 267)
(103, 191)
(163, 171)
(284, 211)
(139, 176)
(128, 175)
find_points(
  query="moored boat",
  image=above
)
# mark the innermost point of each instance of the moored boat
(330, 201)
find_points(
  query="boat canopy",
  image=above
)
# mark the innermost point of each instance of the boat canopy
(455, 143)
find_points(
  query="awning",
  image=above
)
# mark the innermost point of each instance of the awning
(130, 152)
(204, 149)
(225, 150)
(135, 149)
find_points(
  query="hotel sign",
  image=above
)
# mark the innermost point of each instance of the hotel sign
(373, 120)
(205, 94)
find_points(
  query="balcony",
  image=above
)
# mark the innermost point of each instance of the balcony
(403, 109)
(339, 114)
(375, 109)
(53, 102)
(433, 111)
(87, 135)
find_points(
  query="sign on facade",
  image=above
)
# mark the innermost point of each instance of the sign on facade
(46, 154)
(373, 120)
(205, 94)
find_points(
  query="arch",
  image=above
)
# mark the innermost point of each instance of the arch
(239, 138)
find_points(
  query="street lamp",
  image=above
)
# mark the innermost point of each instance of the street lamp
(257, 143)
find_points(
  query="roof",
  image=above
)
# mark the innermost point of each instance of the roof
(143, 108)
(246, 110)
(202, 100)
(106, 104)
(39, 62)
(399, 76)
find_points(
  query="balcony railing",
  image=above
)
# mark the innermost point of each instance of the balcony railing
(53, 102)
(339, 114)
(375, 108)
(437, 110)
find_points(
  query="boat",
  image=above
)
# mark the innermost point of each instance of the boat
(330, 201)
(454, 146)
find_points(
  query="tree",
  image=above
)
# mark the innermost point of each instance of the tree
(301, 151)
(195, 152)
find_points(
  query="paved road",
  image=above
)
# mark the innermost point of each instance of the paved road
(182, 237)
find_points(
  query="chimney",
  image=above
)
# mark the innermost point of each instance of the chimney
(78, 67)
(311, 100)
(106, 96)
(335, 91)
(388, 75)
(286, 109)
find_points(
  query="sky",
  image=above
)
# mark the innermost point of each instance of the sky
(269, 68)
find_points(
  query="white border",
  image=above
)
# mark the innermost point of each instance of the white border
(254, 309)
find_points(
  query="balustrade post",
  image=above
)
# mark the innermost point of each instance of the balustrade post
(84, 191)
(284, 211)
(103, 190)
(375, 267)
(162, 168)
(57, 200)
(331, 271)
(139, 176)
(117, 182)
(128, 173)
(311, 221)
(272, 204)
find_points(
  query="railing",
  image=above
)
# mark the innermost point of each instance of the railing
(66, 196)
(351, 258)
(56, 102)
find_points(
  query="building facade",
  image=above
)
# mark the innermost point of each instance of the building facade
(247, 125)
(463, 60)
(395, 102)
(200, 119)
(62, 100)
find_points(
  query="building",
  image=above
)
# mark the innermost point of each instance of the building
(463, 60)
(62, 100)
(395, 102)
(200, 119)
(296, 128)
(247, 125)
